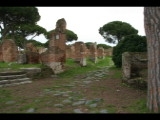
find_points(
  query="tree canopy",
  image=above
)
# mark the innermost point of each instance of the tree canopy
(30, 30)
(88, 44)
(12, 18)
(36, 43)
(114, 31)
(98, 45)
(104, 46)
(20, 22)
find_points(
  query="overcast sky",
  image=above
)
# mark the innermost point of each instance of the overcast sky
(85, 21)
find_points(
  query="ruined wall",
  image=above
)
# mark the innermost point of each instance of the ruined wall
(77, 46)
(70, 51)
(9, 51)
(108, 52)
(100, 52)
(32, 55)
(87, 52)
(30, 47)
(134, 65)
(41, 49)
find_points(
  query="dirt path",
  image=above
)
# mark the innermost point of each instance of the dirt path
(94, 92)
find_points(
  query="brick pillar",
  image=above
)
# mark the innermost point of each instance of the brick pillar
(83, 55)
(55, 56)
(93, 52)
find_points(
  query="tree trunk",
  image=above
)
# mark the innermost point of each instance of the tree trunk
(152, 30)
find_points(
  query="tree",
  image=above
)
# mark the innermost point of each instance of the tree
(30, 30)
(98, 45)
(36, 43)
(130, 43)
(25, 30)
(104, 46)
(71, 36)
(88, 44)
(114, 31)
(12, 18)
(20, 22)
(152, 30)
(46, 44)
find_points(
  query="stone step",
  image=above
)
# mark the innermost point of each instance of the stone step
(14, 84)
(14, 81)
(13, 78)
(9, 77)
(11, 73)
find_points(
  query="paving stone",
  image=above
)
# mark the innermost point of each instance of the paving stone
(10, 102)
(78, 103)
(77, 111)
(103, 111)
(58, 105)
(93, 105)
(67, 101)
(57, 94)
(87, 82)
(31, 110)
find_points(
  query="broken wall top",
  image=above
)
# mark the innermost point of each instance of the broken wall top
(61, 25)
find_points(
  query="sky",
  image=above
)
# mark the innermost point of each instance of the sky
(86, 21)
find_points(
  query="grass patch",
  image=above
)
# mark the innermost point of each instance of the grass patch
(111, 108)
(5, 95)
(117, 72)
(72, 68)
(139, 106)
(27, 106)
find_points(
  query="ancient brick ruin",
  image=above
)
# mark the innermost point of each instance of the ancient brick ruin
(134, 67)
(100, 52)
(83, 54)
(32, 54)
(70, 51)
(41, 49)
(93, 52)
(55, 56)
(79, 52)
(9, 51)
(108, 52)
